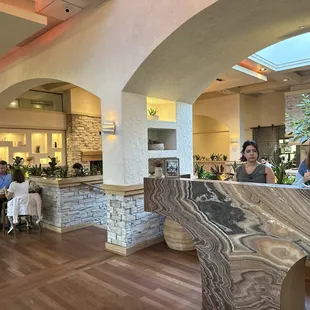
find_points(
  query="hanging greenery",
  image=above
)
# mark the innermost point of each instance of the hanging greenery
(300, 127)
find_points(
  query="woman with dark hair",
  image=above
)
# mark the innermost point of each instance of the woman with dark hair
(303, 174)
(253, 171)
(18, 186)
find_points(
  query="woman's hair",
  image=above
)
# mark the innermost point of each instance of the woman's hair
(18, 176)
(245, 145)
(308, 157)
(77, 166)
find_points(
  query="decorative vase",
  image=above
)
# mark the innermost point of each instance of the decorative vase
(38, 149)
(156, 147)
(55, 145)
(152, 117)
(176, 237)
(158, 172)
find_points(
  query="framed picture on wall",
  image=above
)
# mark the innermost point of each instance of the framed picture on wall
(172, 168)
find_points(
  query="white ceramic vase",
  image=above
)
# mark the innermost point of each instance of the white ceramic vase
(158, 172)
(152, 117)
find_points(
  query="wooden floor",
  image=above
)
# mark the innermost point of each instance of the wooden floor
(72, 271)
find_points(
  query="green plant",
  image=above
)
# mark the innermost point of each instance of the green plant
(225, 157)
(25, 170)
(17, 162)
(212, 156)
(152, 111)
(63, 172)
(234, 167)
(199, 170)
(279, 171)
(300, 127)
(208, 175)
(82, 172)
(35, 170)
(196, 157)
(52, 169)
(202, 174)
(289, 180)
(217, 171)
(98, 168)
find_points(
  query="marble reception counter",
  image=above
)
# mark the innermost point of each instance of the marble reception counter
(247, 236)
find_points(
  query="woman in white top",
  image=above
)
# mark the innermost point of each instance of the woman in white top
(18, 186)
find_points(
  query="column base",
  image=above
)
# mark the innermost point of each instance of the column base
(125, 251)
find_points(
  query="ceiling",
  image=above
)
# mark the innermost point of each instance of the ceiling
(17, 24)
(49, 13)
(56, 88)
(237, 81)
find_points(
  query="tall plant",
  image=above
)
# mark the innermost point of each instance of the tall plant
(301, 126)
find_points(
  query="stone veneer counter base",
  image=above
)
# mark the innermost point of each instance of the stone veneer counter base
(129, 228)
(70, 204)
(248, 236)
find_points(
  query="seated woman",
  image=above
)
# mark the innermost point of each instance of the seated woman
(18, 187)
(303, 174)
(253, 171)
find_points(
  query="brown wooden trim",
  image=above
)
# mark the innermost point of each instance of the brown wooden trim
(96, 179)
(91, 156)
(130, 250)
(123, 190)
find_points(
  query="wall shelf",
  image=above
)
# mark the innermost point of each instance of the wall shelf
(17, 139)
(10, 146)
(166, 110)
(161, 125)
(39, 140)
(166, 136)
(4, 153)
(57, 139)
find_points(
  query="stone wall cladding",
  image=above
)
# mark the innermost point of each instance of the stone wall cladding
(73, 205)
(128, 224)
(82, 135)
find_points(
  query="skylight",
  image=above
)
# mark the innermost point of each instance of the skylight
(288, 54)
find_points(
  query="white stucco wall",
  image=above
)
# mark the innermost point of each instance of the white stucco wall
(131, 164)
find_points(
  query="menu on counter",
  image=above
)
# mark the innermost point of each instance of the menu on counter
(291, 100)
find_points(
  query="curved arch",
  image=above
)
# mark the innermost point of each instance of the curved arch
(292, 294)
(212, 42)
(15, 90)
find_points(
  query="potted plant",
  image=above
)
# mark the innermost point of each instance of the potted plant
(158, 168)
(152, 114)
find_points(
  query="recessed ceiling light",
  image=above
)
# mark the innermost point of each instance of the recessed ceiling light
(263, 69)
(285, 80)
(301, 27)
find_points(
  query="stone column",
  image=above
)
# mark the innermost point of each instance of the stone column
(129, 227)
(126, 157)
